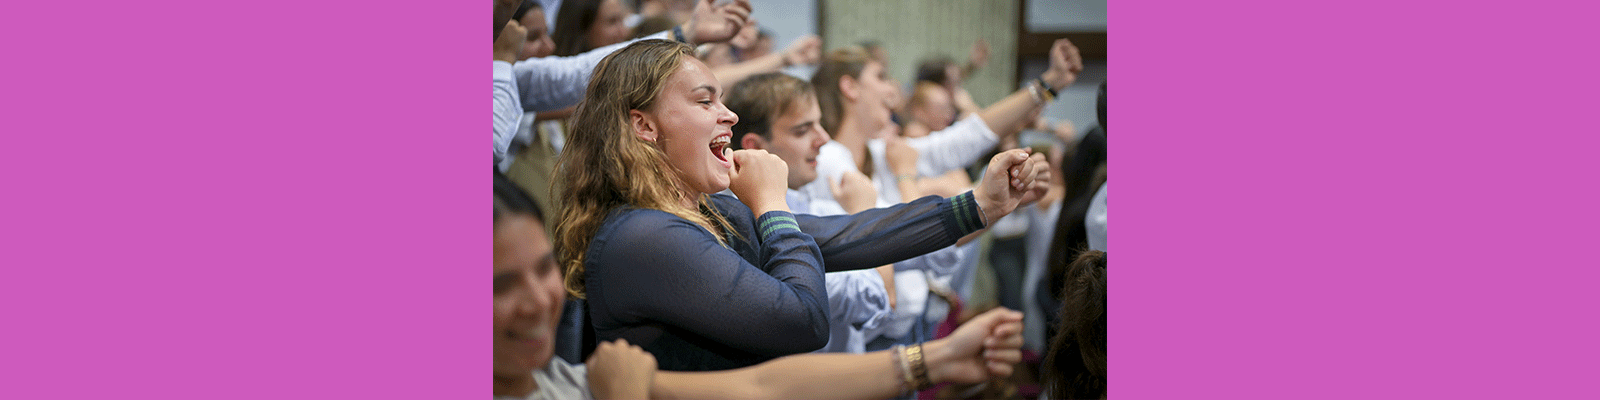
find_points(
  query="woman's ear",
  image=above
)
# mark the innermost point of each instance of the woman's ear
(644, 126)
(847, 88)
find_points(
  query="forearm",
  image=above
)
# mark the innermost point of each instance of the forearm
(731, 73)
(910, 186)
(887, 273)
(551, 83)
(1007, 113)
(555, 115)
(873, 375)
(888, 235)
(507, 112)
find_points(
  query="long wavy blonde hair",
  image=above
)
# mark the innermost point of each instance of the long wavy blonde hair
(605, 166)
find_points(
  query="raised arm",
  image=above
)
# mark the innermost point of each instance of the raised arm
(888, 235)
(1065, 64)
(806, 50)
(552, 83)
(983, 348)
(507, 113)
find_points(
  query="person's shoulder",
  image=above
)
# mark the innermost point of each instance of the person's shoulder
(630, 221)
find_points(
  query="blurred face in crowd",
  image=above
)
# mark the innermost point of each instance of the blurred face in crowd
(797, 138)
(609, 27)
(935, 109)
(717, 55)
(691, 125)
(762, 47)
(875, 96)
(528, 296)
(539, 43)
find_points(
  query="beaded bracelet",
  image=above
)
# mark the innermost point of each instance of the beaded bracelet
(904, 366)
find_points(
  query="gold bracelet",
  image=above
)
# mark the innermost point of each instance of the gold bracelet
(906, 177)
(918, 367)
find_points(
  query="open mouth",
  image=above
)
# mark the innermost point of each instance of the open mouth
(719, 147)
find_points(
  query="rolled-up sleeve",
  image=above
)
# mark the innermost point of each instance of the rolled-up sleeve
(507, 112)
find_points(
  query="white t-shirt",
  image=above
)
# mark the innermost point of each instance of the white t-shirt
(558, 381)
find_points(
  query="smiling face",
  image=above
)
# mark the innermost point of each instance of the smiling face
(609, 27)
(539, 43)
(528, 296)
(689, 123)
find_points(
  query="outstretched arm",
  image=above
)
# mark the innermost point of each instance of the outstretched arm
(807, 50)
(983, 348)
(552, 83)
(888, 235)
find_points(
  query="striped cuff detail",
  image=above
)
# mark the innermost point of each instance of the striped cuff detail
(777, 221)
(967, 214)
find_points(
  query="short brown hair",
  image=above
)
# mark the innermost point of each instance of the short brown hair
(760, 99)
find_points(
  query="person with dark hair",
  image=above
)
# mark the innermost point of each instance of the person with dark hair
(943, 70)
(706, 281)
(1094, 220)
(1083, 172)
(583, 25)
(538, 42)
(1075, 367)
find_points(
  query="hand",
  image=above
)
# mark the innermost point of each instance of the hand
(712, 23)
(887, 273)
(1041, 186)
(1010, 176)
(747, 35)
(1065, 131)
(807, 50)
(978, 55)
(854, 192)
(985, 347)
(1065, 64)
(760, 180)
(618, 370)
(503, 9)
(901, 156)
(510, 40)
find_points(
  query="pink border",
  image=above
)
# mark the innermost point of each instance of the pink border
(286, 199)
(1353, 200)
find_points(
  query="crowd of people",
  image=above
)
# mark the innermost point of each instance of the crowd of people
(676, 215)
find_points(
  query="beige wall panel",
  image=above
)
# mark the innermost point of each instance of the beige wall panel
(913, 29)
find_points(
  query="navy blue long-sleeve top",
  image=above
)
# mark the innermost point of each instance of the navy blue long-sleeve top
(668, 286)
